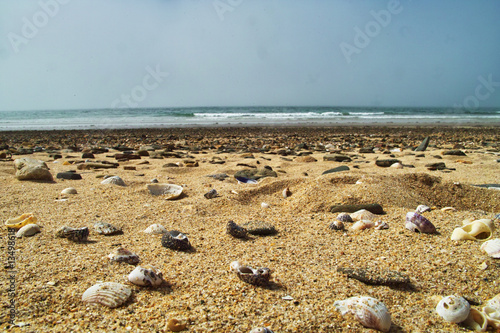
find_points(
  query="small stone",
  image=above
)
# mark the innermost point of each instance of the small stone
(336, 158)
(375, 277)
(436, 166)
(454, 152)
(69, 175)
(386, 163)
(256, 174)
(259, 228)
(337, 169)
(305, 159)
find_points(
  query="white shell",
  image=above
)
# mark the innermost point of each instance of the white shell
(453, 308)
(110, 294)
(362, 225)
(286, 193)
(69, 190)
(155, 229)
(363, 214)
(397, 165)
(264, 205)
(28, 230)
(146, 276)
(379, 225)
(492, 311)
(114, 180)
(422, 209)
(167, 191)
(476, 321)
(370, 312)
(124, 255)
(492, 247)
(476, 230)
(105, 228)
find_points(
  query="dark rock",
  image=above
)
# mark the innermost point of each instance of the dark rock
(454, 152)
(387, 162)
(256, 174)
(337, 169)
(420, 155)
(423, 145)
(143, 153)
(436, 166)
(32, 169)
(259, 228)
(129, 167)
(374, 208)
(305, 159)
(127, 157)
(99, 150)
(336, 158)
(55, 156)
(88, 155)
(366, 150)
(69, 175)
(171, 165)
(97, 165)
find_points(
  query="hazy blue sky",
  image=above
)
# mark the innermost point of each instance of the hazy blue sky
(69, 54)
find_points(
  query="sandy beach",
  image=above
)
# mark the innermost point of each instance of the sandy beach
(304, 256)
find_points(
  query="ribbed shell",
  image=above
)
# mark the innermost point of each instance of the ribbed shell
(492, 247)
(110, 294)
(370, 312)
(453, 308)
(416, 222)
(235, 230)
(363, 214)
(175, 240)
(155, 229)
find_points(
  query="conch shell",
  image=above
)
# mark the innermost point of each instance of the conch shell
(453, 308)
(20, 221)
(477, 320)
(370, 312)
(416, 222)
(480, 230)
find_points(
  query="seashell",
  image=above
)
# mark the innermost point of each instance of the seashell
(20, 221)
(73, 234)
(336, 225)
(245, 180)
(110, 294)
(344, 217)
(379, 225)
(28, 230)
(256, 277)
(363, 214)
(416, 222)
(448, 209)
(286, 193)
(69, 190)
(362, 225)
(175, 325)
(155, 229)
(453, 308)
(146, 276)
(492, 311)
(261, 330)
(167, 191)
(106, 229)
(264, 205)
(477, 321)
(175, 240)
(475, 230)
(397, 165)
(235, 230)
(115, 180)
(370, 312)
(124, 255)
(211, 194)
(492, 247)
(422, 209)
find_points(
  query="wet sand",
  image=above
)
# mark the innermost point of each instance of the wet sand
(52, 273)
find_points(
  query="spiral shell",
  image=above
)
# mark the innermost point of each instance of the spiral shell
(416, 222)
(235, 230)
(256, 277)
(344, 217)
(476, 320)
(480, 230)
(453, 308)
(175, 240)
(110, 294)
(370, 312)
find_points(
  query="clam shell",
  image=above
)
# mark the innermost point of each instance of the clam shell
(477, 321)
(107, 229)
(453, 308)
(492, 247)
(476, 230)
(167, 191)
(416, 222)
(69, 190)
(146, 276)
(28, 230)
(261, 330)
(123, 255)
(256, 277)
(155, 229)
(115, 180)
(344, 217)
(362, 225)
(20, 221)
(235, 230)
(175, 240)
(422, 209)
(110, 294)
(363, 214)
(73, 234)
(370, 312)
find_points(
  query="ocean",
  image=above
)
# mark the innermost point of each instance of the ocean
(242, 116)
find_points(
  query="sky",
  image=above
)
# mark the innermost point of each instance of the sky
(74, 54)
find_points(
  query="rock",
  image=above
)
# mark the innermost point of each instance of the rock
(127, 157)
(170, 165)
(68, 175)
(423, 145)
(32, 169)
(336, 158)
(386, 163)
(256, 174)
(306, 159)
(366, 150)
(454, 152)
(259, 228)
(88, 155)
(375, 277)
(129, 167)
(436, 166)
(337, 169)
(374, 208)
(489, 186)
(97, 165)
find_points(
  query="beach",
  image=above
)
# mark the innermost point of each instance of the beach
(304, 256)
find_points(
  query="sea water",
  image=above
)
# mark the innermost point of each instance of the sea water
(241, 116)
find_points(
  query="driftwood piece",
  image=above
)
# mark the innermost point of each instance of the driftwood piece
(375, 277)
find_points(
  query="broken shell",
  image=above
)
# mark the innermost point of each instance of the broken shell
(492, 247)
(256, 277)
(336, 225)
(155, 229)
(106, 229)
(175, 240)
(476, 230)
(476, 321)
(416, 222)
(124, 255)
(261, 330)
(379, 225)
(344, 217)
(110, 294)
(235, 230)
(453, 308)
(28, 230)
(69, 190)
(286, 193)
(362, 225)
(115, 180)
(448, 209)
(167, 191)
(363, 214)
(264, 205)
(20, 221)
(146, 276)
(73, 234)
(422, 209)
(211, 194)
(370, 312)
(175, 325)
(492, 311)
